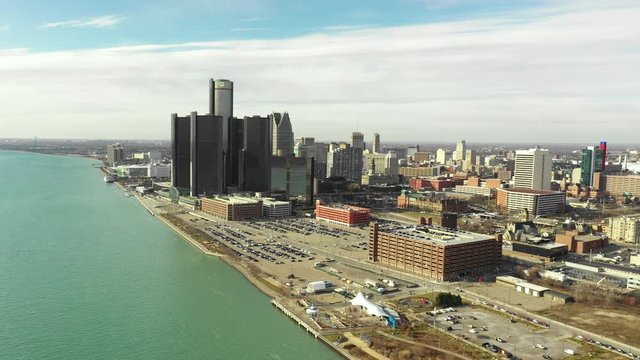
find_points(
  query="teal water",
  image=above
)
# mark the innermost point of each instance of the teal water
(86, 273)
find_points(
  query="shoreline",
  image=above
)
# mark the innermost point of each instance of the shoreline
(251, 278)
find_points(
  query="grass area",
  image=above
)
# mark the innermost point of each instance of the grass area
(616, 322)
(357, 352)
(589, 351)
(396, 349)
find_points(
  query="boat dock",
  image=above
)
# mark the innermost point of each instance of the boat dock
(295, 318)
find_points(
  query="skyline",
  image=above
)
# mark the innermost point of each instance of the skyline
(462, 74)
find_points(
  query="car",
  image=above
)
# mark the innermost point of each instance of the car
(540, 346)
(547, 357)
(499, 339)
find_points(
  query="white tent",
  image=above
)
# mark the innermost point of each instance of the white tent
(372, 309)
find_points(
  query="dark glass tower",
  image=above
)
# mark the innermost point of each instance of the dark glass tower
(206, 170)
(254, 155)
(180, 151)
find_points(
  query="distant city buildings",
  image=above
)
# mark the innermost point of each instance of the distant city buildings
(461, 150)
(533, 169)
(357, 140)
(625, 229)
(345, 162)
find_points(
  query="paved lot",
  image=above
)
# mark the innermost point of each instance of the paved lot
(520, 339)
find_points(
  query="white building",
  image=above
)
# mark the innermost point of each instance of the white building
(533, 169)
(461, 150)
(475, 190)
(385, 164)
(625, 228)
(275, 209)
(536, 202)
(345, 162)
(149, 170)
(441, 156)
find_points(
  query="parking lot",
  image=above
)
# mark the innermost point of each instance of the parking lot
(518, 338)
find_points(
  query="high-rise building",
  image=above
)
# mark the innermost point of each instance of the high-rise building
(115, 153)
(180, 151)
(254, 154)
(357, 140)
(533, 169)
(345, 162)
(376, 143)
(293, 176)
(207, 165)
(461, 150)
(469, 160)
(221, 104)
(592, 162)
(384, 164)
(603, 149)
(441, 156)
(283, 142)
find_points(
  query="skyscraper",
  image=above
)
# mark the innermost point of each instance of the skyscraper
(376, 143)
(592, 162)
(357, 140)
(254, 154)
(533, 169)
(603, 148)
(282, 134)
(294, 176)
(207, 164)
(345, 162)
(461, 150)
(221, 104)
(115, 153)
(180, 151)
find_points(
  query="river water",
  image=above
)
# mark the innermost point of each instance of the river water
(86, 273)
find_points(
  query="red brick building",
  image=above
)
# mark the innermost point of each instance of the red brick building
(342, 214)
(232, 208)
(581, 244)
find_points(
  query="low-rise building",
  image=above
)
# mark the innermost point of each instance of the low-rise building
(434, 252)
(232, 208)
(535, 202)
(418, 184)
(342, 214)
(272, 208)
(422, 202)
(149, 170)
(621, 185)
(418, 171)
(582, 244)
(475, 190)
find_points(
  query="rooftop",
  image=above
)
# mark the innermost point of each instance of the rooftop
(343, 207)
(437, 234)
(236, 200)
(530, 191)
(587, 237)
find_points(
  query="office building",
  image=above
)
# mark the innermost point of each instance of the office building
(418, 171)
(275, 209)
(293, 176)
(441, 156)
(232, 208)
(145, 171)
(592, 161)
(622, 185)
(221, 104)
(282, 142)
(434, 252)
(419, 184)
(115, 154)
(180, 151)
(345, 162)
(380, 163)
(625, 229)
(357, 140)
(581, 244)
(307, 147)
(461, 150)
(341, 214)
(534, 202)
(254, 155)
(469, 160)
(207, 164)
(603, 151)
(533, 169)
(376, 143)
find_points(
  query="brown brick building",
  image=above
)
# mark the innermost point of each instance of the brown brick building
(434, 252)
(232, 208)
(581, 244)
(431, 204)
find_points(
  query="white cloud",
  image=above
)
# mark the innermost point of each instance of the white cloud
(559, 75)
(95, 22)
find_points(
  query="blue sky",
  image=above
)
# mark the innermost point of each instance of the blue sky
(412, 70)
(85, 24)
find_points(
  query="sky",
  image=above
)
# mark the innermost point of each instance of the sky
(412, 70)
